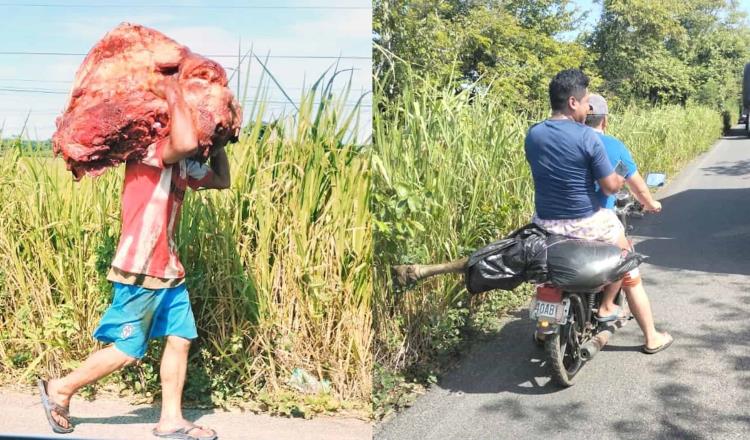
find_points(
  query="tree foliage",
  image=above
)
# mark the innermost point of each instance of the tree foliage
(512, 45)
(671, 50)
(663, 51)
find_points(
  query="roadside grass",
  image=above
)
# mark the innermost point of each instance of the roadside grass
(278, 266)
(449, 176)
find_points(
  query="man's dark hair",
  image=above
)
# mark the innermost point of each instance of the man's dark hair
(594, 120)
(569, 82)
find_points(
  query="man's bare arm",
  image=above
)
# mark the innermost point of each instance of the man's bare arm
(183, 136)
(641, 192)
(220, 167)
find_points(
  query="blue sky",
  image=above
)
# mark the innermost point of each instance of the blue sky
(40, 82)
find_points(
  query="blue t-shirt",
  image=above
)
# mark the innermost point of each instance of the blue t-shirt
(566, 160)
(617, 152)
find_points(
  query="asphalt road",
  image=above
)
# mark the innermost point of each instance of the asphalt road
(698, 279)
(22, 416)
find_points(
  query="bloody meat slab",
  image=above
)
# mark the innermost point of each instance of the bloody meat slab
(113, 116)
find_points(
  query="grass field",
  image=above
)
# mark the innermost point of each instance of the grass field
(278, 266)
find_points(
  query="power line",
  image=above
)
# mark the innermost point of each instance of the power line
(312, 57)
(348, 104)
(246, 101)
(71, 81)
(34, 112)
(23, 90)
(111, 5)
(57, 92)
(33, 80)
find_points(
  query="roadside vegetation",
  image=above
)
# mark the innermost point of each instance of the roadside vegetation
(458, 85)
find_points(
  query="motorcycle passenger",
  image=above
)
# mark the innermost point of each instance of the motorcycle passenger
(567, 159)
(617, 152)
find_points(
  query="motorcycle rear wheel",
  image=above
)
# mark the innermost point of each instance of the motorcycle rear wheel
(564, 346)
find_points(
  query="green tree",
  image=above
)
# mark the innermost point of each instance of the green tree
(510, 47)
(671, 51)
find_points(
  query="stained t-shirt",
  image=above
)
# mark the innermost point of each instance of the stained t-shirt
(151, 201)
(566, 160)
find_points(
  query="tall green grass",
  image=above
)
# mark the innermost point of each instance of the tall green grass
(664, 139)
(449, 176)
(278, 266)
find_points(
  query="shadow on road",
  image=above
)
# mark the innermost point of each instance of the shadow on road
(739, 168)
(144, 415)
(509, 364)
(699, 230)
(704, 230)
(508, 361)
(737, 132)
(698, 389)
(681, 409)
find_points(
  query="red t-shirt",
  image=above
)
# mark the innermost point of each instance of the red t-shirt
(151, 200)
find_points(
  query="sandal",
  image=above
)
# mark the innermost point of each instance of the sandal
(613, 317)
(49, 406)
(184, 433)
(662, 347)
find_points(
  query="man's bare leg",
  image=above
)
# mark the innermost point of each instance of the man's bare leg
(640, 306)
(607, 305)
(98, 365)
(173, 371)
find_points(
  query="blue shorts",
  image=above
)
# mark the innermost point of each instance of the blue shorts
(138, 314)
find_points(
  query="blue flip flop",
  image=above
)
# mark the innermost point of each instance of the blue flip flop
(49, 406)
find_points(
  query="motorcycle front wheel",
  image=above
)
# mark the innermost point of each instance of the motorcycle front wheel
(564, 346)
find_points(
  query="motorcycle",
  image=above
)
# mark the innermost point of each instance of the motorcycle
(567, 320)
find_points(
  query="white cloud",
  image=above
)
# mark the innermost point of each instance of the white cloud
(204, 39)
(93, 30)
(348, 24)
(8, 71)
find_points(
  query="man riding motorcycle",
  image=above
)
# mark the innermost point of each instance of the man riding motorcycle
(618, 154)
(567, 159)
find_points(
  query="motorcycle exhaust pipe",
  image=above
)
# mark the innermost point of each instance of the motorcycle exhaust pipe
(595, 344)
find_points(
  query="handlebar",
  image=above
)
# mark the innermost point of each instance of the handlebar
(627, 205)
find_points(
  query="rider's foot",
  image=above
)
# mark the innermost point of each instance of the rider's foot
(610, 313)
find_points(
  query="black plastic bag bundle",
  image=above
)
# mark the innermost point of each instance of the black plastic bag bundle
(584, 265)
(507, 263)
(532, 255)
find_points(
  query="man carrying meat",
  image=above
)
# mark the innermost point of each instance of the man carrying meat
(150, 298)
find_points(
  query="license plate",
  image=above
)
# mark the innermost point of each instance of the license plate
(547, 310)
(551, 311)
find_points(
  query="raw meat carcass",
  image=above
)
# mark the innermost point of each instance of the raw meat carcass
(112, 114)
